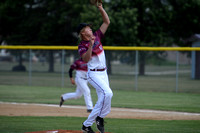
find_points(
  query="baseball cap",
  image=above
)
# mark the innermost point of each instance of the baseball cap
(81, 26)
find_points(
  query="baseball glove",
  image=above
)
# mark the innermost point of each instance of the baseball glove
(96, 2)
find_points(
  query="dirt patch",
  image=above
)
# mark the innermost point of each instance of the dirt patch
(23, 109)
(57, 131)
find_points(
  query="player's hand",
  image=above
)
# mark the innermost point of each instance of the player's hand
(92, 38)
(72, 81)
(99, 4)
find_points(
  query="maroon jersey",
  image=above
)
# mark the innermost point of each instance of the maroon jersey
(79, 65)
(98, 57)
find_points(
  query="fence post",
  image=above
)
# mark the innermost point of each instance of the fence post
(136, 70)
(30, 67)
(177, 69)
(63, 70)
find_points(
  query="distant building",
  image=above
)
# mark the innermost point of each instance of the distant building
(194, 40)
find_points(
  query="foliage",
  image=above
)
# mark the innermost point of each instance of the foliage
(185, 19)
(123, 27)
(39, 22)
(133, 23)
(140, 23)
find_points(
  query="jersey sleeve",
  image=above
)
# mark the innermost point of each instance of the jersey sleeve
(73, 66)
(70, 72)
(82, 50)
(71, 69)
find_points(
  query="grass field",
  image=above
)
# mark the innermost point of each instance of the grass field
(187, 102)
(28, 124)
(154, 92)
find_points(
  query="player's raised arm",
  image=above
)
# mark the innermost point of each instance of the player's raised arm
(106, 20)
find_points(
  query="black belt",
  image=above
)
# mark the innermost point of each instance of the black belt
(98, 69)
(84, 78)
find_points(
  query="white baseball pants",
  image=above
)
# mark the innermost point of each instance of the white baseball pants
(81, 89)
(99, 80)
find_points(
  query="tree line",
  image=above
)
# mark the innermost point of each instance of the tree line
(133, 22)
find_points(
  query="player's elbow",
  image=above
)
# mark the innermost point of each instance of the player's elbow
(107, 22)
(85, 59)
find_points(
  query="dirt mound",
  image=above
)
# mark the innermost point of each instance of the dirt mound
(57, 131)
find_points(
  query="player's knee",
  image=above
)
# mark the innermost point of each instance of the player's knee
(109, 95)
(78, 96)
(87, 92)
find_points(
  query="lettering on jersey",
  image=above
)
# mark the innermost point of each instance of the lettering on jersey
(100, 47)
(83, 65)
(82, 50)
(95, 44)
(79, 65)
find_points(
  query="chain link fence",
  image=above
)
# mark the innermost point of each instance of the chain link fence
(157, 71)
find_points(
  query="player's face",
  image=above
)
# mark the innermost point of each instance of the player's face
(87, 31)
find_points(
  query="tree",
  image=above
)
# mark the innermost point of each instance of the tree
(40, 22)
(185, 19)
(11, 19)
(133, 23)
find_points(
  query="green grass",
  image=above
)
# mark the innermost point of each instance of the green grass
(150, 83)
(29, 124)
(154, 92)
(186, 102)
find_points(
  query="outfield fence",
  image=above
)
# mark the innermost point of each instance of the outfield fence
(166, 68)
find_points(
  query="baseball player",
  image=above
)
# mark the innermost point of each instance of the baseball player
(91, 51)
(81, 83)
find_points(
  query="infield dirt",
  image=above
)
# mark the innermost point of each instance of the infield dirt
(24, 109)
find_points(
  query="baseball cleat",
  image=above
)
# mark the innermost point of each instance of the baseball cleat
(89, 110)
(87, 129)
(100, 124)
(61, 101)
